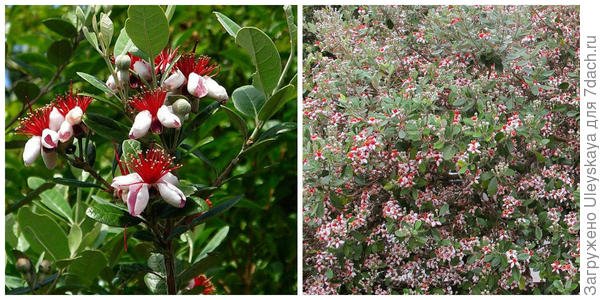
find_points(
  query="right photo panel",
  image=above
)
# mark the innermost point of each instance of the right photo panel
(441, 150)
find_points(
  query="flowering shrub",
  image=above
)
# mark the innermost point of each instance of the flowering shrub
(136, 170)
(441, 150)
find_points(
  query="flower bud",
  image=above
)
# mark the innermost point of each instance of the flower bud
(123, 76)
(23, 265)
(123, 62)
(181, 107)
(45, 266)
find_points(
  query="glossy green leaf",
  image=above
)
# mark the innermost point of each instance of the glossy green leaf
(61, 27)
(264, 57)
(248, 100)
(230, 26)
(59, 52)
(148, 28)
(95, 82)
(492, 187)
(277, 130)
(213, 243)
(75, 236)
(111, 215)
(277, 101)
(91, 38)
(43, 234)
(105, 126)
(58, 203)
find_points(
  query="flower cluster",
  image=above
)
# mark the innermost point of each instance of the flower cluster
(441, 150)
(46, 126)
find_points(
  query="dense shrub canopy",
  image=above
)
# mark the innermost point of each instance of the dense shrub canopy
(441, 150)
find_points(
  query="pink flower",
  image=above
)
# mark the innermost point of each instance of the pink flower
(555, 266)
(72, 107)
(151, 169)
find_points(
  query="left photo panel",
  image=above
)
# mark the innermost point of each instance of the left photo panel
(150, 150)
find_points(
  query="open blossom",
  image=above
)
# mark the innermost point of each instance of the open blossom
(203, 282)
(196, 74)
(151, 169)
(474, 147)
(511, 256)
(152, 113)
(41, 125)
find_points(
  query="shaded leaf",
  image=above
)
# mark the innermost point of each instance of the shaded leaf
(264, 56)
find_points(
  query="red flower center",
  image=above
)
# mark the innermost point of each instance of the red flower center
(162, 60)
(152, 165)
(35, 122)
(69, 101)
(149, 100)
(201, 66)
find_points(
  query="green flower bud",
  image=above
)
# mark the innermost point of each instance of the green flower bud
(123, 62)
(181, 107)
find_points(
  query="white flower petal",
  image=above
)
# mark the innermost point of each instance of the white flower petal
(174, 81)
(32, 150)
(50, 157)
(65, 132)
(49, 138)
(170, 178)
(171, 194)
(56, 119)
(74, 115)
(195, 85)
(167, 118)
(142, 69)
(110, 82)
(215, 90)
(141, 124)
(125, 181)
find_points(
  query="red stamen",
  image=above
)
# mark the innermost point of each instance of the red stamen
(150, 100)
(64, 103)
(35, 122)
(162, 60)
(152, 165)
(201, 66)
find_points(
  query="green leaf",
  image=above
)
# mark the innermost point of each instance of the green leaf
(248, 100)
(26, 90)
(148, 28)
(169, 12)
(105, 126)
(59, 52)
(91, 38)
(74, 238)
(87, 266)
(329, 273)
(123, 44)
(43, 234)
(214, 242)
(58, 203)
(230, 26)
(75, 183)
(156, 262)
(219, 208)
(448, 152)
(538, 233)
(111, 215)
(492, 187)
(237, 121)
(130, 148)
(277, 130)
(95, 82)
(61, 27)
(106, 29)
(155, 283)
(276, 102)
(445, 209)
(264, 57)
